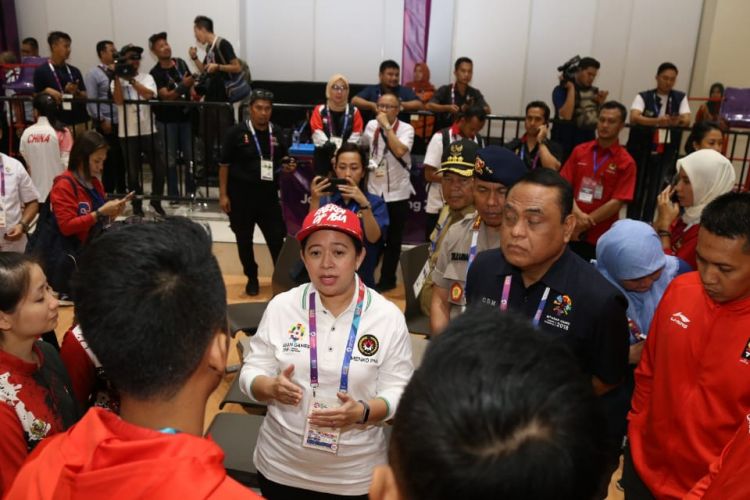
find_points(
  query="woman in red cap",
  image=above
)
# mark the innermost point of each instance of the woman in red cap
(331, 359)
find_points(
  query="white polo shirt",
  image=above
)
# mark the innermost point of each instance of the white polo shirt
(19, 190)
(40, 148)
(393, 185)
(138, 117)
(381, 372)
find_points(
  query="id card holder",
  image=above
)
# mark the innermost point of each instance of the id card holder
(663, 136)
(266, 170)
(586, 193)
(380, 170)
(67, 105)
(598, 191)
(338, 141)
(321, 438)
(2, 214)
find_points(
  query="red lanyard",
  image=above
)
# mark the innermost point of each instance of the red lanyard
(377, 135)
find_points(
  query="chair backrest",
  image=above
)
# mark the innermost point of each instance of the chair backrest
(412, 263)
(282, 279)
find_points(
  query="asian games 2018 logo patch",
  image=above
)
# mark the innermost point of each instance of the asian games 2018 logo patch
(562, 305)
(368, 345)
(296, 332)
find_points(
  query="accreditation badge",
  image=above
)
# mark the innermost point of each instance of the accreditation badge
(266, 170)
(66, 104)
(337, 141)
(587, 191)
(321, 438)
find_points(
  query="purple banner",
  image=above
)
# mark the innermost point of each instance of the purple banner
(416, 36)
(9, 27)
(295, 200)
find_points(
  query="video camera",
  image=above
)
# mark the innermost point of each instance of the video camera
(123, 67)
(569, 69)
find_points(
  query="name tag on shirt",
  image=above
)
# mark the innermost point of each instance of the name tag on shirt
(266, 170)
(590, 190)
(338, 141)
(322, 438)
(419, 282)
(2, 214)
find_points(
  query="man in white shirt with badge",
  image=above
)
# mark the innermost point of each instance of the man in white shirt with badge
(331, 358)
(18, 204)
(390, 142)
(136, 128)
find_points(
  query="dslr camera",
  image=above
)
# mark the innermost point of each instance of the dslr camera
(123, 68)
(201, 83)
(569, 69)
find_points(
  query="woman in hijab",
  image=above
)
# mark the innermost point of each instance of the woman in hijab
(336, 121)
(701, 177)
(630, 256)
(421, 86)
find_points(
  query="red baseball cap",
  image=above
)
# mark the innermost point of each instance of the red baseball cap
(331, 217)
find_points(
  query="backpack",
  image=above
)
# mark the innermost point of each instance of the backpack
(237, 85)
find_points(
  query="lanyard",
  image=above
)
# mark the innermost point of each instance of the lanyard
(344, 385)
(453, 93)
(177, 68)
(377, 136)
(257, 144)
(438, 231)
(506, 294)
(598, 164)
(2, 178)
(525, 147)
(474, 240)
(57, 78)
(330, 121)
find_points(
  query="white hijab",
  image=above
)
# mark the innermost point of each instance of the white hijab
(711, 175)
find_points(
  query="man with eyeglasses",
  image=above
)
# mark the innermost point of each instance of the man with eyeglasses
(390, 143)
(136, 129)
(251, 159)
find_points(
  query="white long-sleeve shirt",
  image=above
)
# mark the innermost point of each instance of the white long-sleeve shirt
(282, 339)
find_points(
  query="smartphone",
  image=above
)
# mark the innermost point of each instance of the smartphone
(336, 182)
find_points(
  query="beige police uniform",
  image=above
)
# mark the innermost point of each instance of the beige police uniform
(453, 258)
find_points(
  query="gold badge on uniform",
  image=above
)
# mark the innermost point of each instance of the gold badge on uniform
(457, 292)
(456, 154)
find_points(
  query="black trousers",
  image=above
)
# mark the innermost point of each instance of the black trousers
(252, 204)
(276, 491)
(113, 176)
(397, 213)
(132, 147)
(635, 488)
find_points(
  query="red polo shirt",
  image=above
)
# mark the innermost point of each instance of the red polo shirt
(692, 387)
(616, 174)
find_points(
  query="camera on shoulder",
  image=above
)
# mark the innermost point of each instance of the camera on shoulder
(123, 67)
(570, 68)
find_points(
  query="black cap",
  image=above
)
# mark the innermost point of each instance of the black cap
(498, 164)
(131, 48)
(460, 159)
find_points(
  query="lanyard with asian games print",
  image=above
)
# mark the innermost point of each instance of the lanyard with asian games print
(57, 78)
(330, 121)
(2, 178)
(506, 295)
(376, 138)
(257, 144)
(474, 240)
(312, 325)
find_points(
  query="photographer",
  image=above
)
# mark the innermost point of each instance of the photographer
(577, 103)
(174, 83)
(136, 127)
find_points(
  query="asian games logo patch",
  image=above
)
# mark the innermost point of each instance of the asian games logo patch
(562, 305)
(368, 345)
(296, 332)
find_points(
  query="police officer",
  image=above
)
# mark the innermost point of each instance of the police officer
(496, 170)
(251, 159)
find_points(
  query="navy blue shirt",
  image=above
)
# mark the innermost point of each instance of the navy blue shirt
(373, 92)
(44, 78)
(583, 309)
(380, 211)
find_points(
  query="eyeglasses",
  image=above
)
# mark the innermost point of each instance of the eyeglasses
(387, 106)
(338, 88)
(261, 94)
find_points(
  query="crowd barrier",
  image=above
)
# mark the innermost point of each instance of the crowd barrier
(197, 167)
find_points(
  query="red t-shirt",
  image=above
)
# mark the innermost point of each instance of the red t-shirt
(616, 174)
(684, 240)
(692, 387)
(728, 476)
(105, 456)
(73, 207)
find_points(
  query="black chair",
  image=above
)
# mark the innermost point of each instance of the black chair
(236, 434)
(412, 263)
(246, 316)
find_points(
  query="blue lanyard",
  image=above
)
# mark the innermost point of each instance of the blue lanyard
(474, 240)
(598, 165)
(522, 154)
(257, 144)
(312, 325)
(506, 294)
(330, 121)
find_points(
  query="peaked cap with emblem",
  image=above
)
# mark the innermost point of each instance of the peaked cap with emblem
(460, 159)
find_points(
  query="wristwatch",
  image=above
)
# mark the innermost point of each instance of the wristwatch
(365, 412)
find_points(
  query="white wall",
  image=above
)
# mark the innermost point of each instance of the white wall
(515, 44)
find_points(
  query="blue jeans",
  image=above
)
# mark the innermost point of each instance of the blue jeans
(177, 136)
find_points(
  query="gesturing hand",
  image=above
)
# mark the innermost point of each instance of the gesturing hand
(284, 390)
(350, 412)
